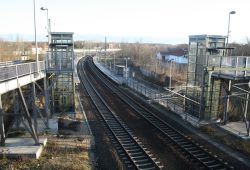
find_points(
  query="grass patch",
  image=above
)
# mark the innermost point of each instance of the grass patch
(58, 154)
(229, 140)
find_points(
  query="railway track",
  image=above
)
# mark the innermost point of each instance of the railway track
(200, 157)
(131, 150)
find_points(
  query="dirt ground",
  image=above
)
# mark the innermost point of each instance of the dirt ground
(59, 153)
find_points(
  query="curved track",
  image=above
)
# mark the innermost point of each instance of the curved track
(199, 156)
(131, 150)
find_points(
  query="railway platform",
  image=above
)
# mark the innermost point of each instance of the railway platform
(233, 153)
(152, 94)
(118, 79)
(237, 129)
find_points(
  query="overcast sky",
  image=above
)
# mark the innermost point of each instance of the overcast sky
(164, 21)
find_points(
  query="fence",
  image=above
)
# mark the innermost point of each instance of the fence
(171, 99)
(11, 71)
(158, 95)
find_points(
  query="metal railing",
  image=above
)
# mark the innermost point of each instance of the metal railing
(8, 72)
(227, 62)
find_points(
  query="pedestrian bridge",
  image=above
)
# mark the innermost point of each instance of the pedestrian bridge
(13, 75)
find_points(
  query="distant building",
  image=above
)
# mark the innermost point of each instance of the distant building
(39, 50)
(175, 55)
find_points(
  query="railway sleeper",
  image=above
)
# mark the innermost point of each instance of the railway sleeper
(140, 161)
(174, 135)
(123, 154)
(217, 166)
(175, 138)
(166, 129)
(114, 126)
(196, 151)
(123, 124)
(109, 117)
(203, 159)
(120, 131)
(148, 116)
(157, 162)
(190, 148)
(162, 126)
(171, 133)
(134, 154)
(136, 139)
(113, 123)
(183, 143)
(131, 145)
(128, 162)
(119, 147)
(211, 163)
(128, 130)
(123, 137)
(140, 143)
(117, 128)
(127, 141)
(145, 165)
(150, 168)
(120, 151)
(154, 122)
(114, 141)
(125, 131)
(132, 148)
(124, 158)
(199, 155)
(138, 157)
(186, 145)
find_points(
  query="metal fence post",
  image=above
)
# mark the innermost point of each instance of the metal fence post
(2, 124)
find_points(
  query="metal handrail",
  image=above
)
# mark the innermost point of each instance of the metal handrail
(17, 70)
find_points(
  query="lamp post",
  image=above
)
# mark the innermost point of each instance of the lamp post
(37, 59)
(228, 28)
(46, 9)
(170, 74)
(48, 22)
(45, 80)
(114, 61)
(126, 68)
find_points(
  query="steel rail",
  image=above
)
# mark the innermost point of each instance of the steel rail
(201, 157)
(137, 157)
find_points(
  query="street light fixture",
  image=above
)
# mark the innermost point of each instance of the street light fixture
(46, 9)
(228, 28)
(37, 59)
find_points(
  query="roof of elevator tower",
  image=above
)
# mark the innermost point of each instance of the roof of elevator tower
(61, 38)
(208, 36)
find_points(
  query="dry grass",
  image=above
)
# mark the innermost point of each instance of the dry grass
(58, 154)
(237, 144)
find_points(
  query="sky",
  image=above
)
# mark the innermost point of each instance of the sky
(149, 21)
